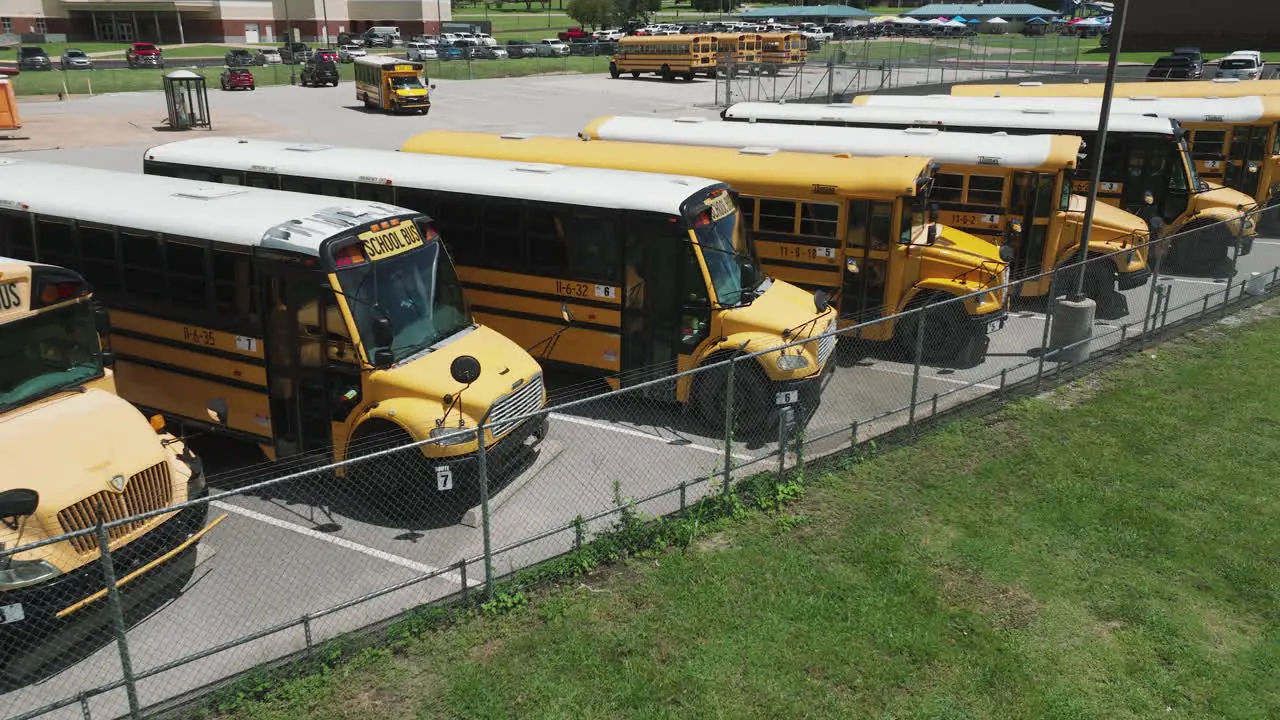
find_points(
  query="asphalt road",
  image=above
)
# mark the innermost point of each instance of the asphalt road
(302, 546)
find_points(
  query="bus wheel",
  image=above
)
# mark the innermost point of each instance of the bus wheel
(753, 406)
(711, 73)
(667, 75)
(613, 71)
(1201, 249)
(950, 336)
(635, 73)
(396, 485)
(688, 77)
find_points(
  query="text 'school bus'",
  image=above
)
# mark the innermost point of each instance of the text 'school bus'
(1234, 141)
(1146, 168)
(71, 445)
(666, 55)
(1220, 87)
(797, 209)
(391, 84)
(654, 272)
(779, 51)
(1013, 190)
(301, 323)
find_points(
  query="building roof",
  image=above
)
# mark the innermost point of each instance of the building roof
(801, 11)
(1015, 11)
(545, 182)
(229, 214)
(1052, 152)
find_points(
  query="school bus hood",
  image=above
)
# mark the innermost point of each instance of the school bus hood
(1220, 196)
(783, 306)
(1110, 218)
(959, 246)
(412, 92)
(504, 368)
(70, 446)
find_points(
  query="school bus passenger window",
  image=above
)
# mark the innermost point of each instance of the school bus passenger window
(302, 185)
(228, 178)
(747, 208)
(593, 247)
(820, 219)
(458, 222)
(881, 226)
(15, 237)
(986, 190)
(548, 247)
(1207, 144)
(186, 275)
(334, 188)
(143, 266)
(98, 253)
(260, 180)
(1275, 139)
(375, 193)
(57, 247)
(777, 216)
(234, 291)
(948, 187)
(858, 224)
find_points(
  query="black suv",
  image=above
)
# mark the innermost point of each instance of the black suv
(319, 71)
(1195, 56)
(239, 57)
(33, 58)
(521, 49)
(1172, 67)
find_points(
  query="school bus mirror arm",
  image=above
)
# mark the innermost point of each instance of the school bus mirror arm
(217, 410)
(101, 319)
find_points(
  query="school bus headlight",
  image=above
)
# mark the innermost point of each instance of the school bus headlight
(792, 362)
(21, 573)
(452, 435)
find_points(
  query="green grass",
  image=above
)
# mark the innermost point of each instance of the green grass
(1111, 551)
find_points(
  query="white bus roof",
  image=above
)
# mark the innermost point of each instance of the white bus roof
(617, 189)
(1246, 109)
(383, 61)
(230, 214)
(964, 148)
(1045, 120)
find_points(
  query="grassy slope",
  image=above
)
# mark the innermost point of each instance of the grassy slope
(1112, 556)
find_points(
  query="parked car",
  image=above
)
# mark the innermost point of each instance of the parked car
(521, 49)
(239, 57)
(33, 58)
(238, 78)
(489, 53)
(349, 52)
(451, 52)
(1196, 58)
(486, 39)
(416, 50)
(467, 47)
(325, 54)
(572, 33)
(318, 71)
(267, 56)
(75, 59)
(1241, 65)
(294, 53)
(1172, 67)
(552, 47)
(143, 54)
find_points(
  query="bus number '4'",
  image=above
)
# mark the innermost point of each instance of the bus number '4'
(444, 478)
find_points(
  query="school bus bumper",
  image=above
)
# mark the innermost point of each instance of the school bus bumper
(1133, 279)
(462, 472)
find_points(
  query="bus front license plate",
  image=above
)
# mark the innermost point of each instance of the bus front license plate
(12, 614)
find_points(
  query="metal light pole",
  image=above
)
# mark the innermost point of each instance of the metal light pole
(324, 10)
(439, 20)
(1104, 118)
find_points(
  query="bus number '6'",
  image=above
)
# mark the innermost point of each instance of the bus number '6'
(444, 478)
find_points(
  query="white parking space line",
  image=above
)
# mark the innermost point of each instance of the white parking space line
(645, 435)
(1219, 283)
(939, 378)
(340, 542)
(1266, 242)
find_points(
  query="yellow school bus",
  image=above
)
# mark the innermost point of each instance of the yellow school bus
(737, 52)
(797, 209)
(1146, 168)
(779, 51)
(394, 84)
(1221, 87)
(307, 325)
(667, 56)
(1234, 141)
(71, 445)
(650, 271)
(1013, 190)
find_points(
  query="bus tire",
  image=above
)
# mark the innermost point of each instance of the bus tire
(950, 336)
(1201, 249)
(753, 406)
(613, 71)
(396, 485)
(667, 75)
(688, 77)
(711, 73)
(635, 73)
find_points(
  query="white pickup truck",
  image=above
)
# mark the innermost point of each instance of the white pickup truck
(1241, 65)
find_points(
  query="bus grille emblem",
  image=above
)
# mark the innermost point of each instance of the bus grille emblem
(117, 483)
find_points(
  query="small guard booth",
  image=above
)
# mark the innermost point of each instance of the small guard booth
(9, 118)
(187, 100)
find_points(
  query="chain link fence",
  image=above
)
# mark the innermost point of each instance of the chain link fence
(304, 551)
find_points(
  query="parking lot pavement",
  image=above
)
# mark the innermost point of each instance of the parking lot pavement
(304, 546)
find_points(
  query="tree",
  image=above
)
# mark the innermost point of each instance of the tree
(714, 5)
(629, 10)
(591, 13)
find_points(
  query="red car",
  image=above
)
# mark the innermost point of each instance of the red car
(238, 79)
(327, 54)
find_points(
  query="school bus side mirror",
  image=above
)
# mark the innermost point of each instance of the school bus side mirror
(851, 266)
(383, 358)
(933, 233)
(566, 314)
(217, 410)
(19, 502)
(821, 300)
(382, 333)
(465, 369)
(433, 87)
(101, 320)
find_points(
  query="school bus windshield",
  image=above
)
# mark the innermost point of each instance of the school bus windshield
(733, 270)
(48, 352)
(405, 82)
(415, 287)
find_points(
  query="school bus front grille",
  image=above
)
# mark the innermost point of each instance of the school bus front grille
(521, 402)
(148, 490)
(826, 344)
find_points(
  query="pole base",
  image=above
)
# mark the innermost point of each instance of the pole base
(1071, 329)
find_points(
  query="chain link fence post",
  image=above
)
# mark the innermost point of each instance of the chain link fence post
(728, 425)
(1048, 323)
(117, 615)
(923, 314)
(482, 475)
(1148, 319)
